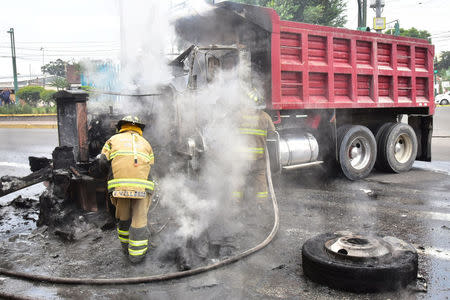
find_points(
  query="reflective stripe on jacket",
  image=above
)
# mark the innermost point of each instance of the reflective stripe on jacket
(254, 125)
(130, 182)
(131, 158)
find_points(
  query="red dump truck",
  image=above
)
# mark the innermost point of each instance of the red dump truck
(360, 99)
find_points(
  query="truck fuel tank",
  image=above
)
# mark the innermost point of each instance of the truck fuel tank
(297, 149)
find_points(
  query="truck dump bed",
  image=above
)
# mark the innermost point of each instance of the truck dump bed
(325, 67)
(318, 67)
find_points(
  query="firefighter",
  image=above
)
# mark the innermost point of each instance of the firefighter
(129, 184)
(254, 125)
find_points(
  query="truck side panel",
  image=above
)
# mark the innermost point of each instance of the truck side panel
(316, 67)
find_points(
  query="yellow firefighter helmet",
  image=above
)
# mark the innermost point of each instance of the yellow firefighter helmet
(131, 120)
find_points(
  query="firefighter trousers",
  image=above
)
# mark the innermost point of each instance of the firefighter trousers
(132, 226)
(253, 187)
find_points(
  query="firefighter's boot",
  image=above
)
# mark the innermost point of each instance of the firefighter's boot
(123, 233)
(138, 244)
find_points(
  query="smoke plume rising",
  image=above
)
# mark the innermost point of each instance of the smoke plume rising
(206, 116)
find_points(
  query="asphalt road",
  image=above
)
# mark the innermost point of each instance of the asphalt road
(413, 206)
(441, 134)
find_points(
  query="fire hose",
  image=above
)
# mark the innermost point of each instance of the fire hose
(161, 277)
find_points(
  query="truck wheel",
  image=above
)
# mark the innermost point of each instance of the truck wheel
(357, 151)
(358, 263)
(378, 134)
(444, 102)
(397, 149)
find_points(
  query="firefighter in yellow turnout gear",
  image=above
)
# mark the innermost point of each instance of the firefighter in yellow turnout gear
(129, 184)
(254, 125)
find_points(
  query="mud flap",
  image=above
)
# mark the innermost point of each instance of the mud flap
(423, 127)
(273, 144)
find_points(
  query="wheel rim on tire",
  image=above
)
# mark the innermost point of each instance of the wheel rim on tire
(358, 247)
(359, 153)
(403, 148)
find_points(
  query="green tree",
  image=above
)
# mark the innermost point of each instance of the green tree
(413, 32)
(30, 94)
(60, 83)
(443, 62)
(57, 67)
(47, 96)
(285, 9)
(322, 12)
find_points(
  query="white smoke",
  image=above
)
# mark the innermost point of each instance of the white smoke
(212, 111)
(208, 114)
(147, 36)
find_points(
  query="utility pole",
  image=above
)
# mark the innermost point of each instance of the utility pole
(13, 55)
(362, 15)
(378, 12)
(123, 42)
(378, 6)
(43, 64)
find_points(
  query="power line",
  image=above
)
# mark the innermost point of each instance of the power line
(70, 52)
(71, 42)
(63, 48)
(444, 32)
(441, 38)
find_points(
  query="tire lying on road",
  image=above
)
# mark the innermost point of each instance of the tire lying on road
(357, 263)
(397, 148)
(357, 151)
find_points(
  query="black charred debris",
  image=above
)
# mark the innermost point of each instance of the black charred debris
(57, 207)
(62, 213)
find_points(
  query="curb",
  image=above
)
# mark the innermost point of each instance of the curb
(30, 126)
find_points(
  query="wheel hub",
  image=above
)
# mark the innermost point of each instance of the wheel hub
(403, 148)
(359, 153)
(358, 247)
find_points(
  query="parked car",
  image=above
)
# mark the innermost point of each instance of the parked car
(443, 99)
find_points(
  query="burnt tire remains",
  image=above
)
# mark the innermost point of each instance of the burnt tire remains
(397, 148)
(359, 264)
(357, 151)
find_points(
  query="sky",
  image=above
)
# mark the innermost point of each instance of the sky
(73, 29)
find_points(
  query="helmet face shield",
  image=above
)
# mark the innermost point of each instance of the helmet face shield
(134, 120)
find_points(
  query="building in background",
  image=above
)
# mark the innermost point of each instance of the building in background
(73, 75)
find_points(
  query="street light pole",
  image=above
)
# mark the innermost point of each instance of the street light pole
(123, 42)
(43, 64)
(13, 55)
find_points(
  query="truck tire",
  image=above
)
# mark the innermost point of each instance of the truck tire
(444, 102)
(357, 151)
(378, 134)
(397, 148)
(390, 273)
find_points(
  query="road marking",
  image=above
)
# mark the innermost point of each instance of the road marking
(438, 253)
(435, 215)
(15, 165)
